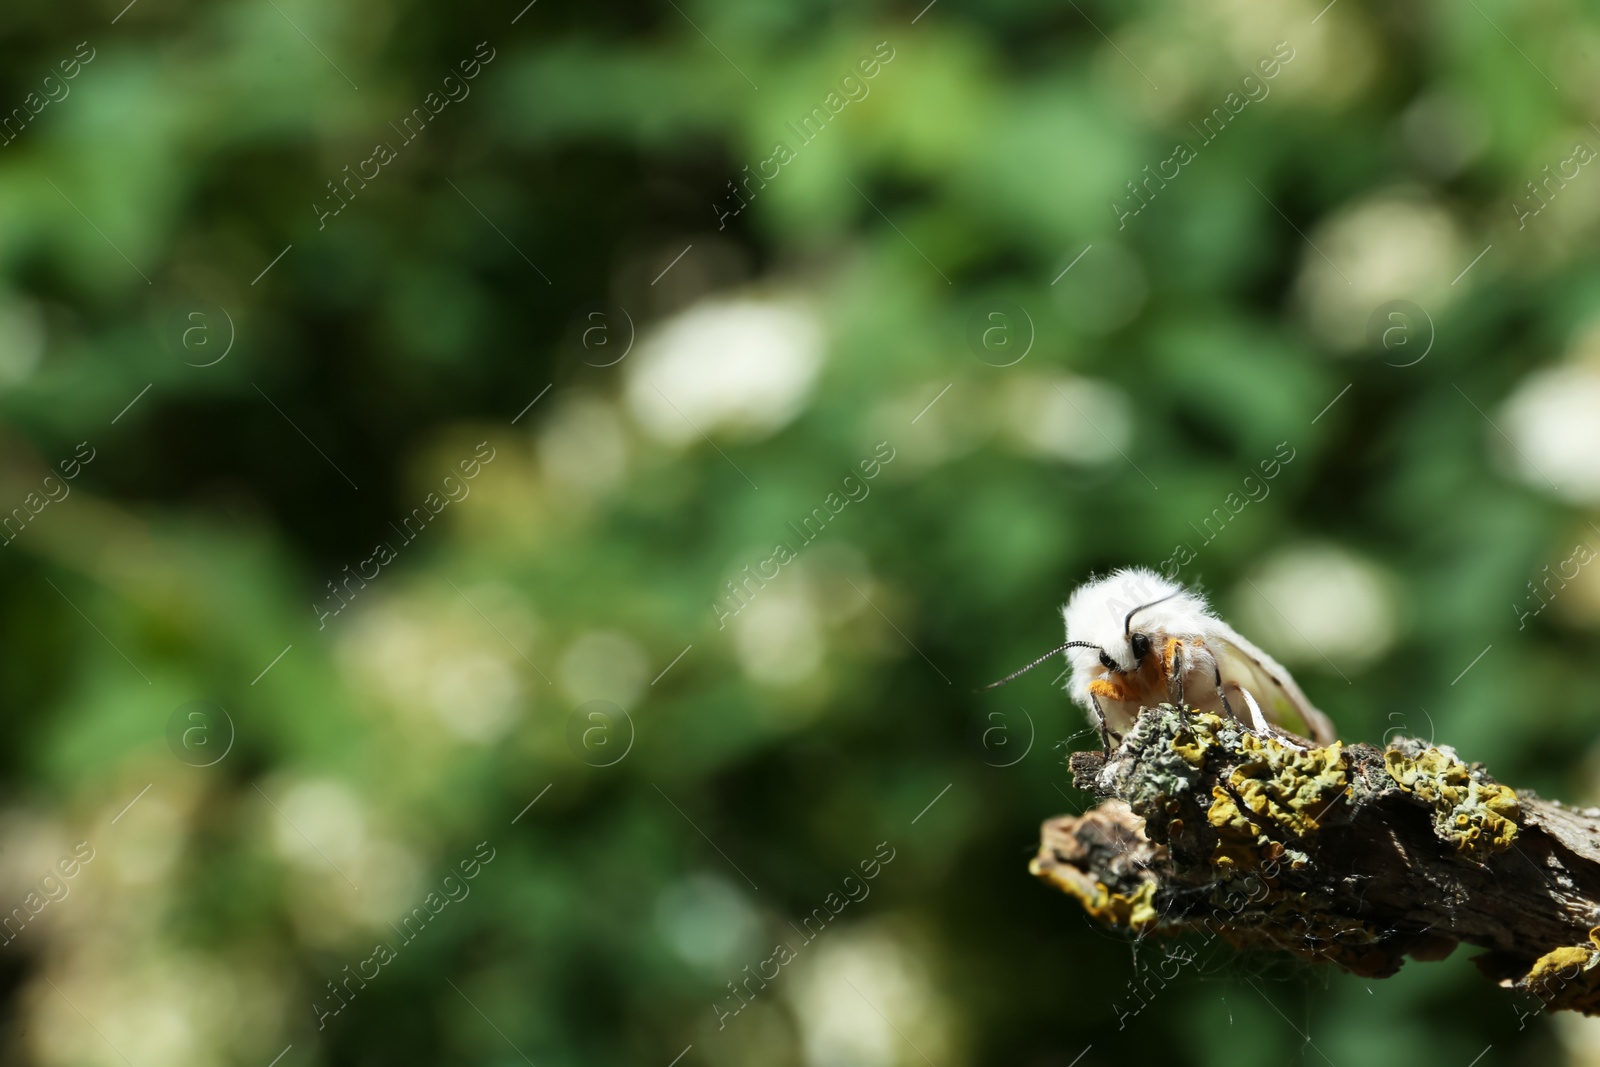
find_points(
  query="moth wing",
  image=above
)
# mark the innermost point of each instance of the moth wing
(1246, 666)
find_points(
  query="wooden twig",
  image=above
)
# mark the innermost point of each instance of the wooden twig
(1353, 856)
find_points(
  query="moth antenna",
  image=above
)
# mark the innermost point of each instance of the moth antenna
(1016, 674)
(1128, 622)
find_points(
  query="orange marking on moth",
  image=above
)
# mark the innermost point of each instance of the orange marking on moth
(1101, 687)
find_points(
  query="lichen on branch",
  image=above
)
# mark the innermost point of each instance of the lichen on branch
(1346, 855)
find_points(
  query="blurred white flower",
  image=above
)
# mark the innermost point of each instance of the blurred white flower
(1554, 432)
(1317, 604)
(778, 636)
(476, 695)
(387, 649)
(1334, 57)
(150, 839)
(30, 846)
(1079, 420)
(445, 668)
(708, 922)
(389, 877)
(936, 425)
(317, 822)
(604, 665)
(1204, 50)
(151, 1006)
(744, 365)
(1579, 1036)
(857, 996)
(583, 447)
(1392, 247)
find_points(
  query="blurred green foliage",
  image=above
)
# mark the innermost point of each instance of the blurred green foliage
(373, 351)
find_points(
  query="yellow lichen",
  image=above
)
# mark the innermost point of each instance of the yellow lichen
(1276, 791)
(1237, 837)
(1567, 977)
(1136, 911)
(1193, 746)
(1293, 787)
(1475, 814)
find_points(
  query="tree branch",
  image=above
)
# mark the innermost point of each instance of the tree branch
(1353, 856)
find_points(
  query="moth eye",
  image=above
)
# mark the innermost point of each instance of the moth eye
(1141, 645)
(1107, 662)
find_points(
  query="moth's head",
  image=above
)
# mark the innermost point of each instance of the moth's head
(1113, 622)
(1117, 655)
(1138, 645)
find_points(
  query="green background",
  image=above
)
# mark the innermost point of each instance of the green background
(836, 714)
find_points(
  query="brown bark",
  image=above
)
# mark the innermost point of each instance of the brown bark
(1354, 856)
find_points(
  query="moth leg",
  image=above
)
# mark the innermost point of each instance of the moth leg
(1175, 668)
(1100, 715)
(1222, 694)
(1111, 690)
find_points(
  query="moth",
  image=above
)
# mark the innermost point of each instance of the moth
(1136, 639)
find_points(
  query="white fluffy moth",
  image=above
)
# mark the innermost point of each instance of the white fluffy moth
(1135, 640)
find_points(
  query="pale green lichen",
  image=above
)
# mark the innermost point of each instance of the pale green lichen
(1165, 770)
(1470, 810)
